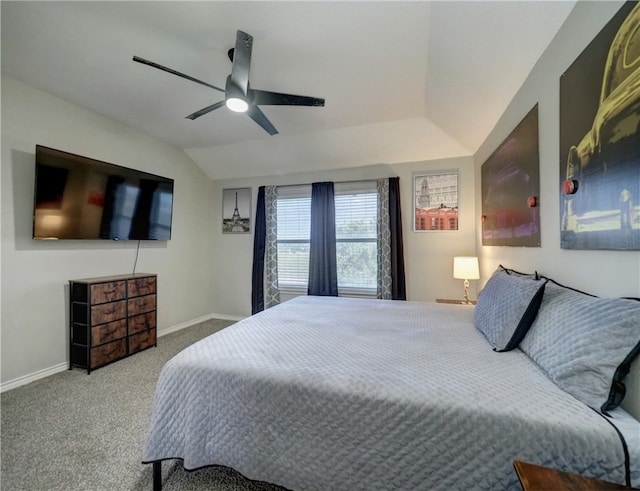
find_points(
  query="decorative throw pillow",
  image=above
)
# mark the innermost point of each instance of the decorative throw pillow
(533, 276)
(585, 344)
(506, 308)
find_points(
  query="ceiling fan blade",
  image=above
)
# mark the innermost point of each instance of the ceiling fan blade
(173, 72)
(205, 110)
(266, 98)
(242, 61)
(258, 116)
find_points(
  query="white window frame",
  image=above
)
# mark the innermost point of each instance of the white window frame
(359, 187)
(304, 191)
(292, 192)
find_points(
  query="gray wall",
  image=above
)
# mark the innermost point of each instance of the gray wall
(604, 273)
(428, 255)
(35, 274)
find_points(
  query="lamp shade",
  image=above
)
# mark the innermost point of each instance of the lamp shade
(466, 268)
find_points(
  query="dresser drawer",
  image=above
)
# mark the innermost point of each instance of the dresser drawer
(108, 292)
(108, 352)
(140, 305)
(142, 322)
(142, 341)
(105, 333)
(141, 286)
(110, 318)
(108, 312)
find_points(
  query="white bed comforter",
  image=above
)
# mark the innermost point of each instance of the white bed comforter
(348, 394)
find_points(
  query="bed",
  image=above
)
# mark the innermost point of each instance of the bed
(332, 393)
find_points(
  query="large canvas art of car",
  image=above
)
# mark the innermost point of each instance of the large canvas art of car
(600, 178)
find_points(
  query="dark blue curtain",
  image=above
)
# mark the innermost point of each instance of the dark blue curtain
(398, 288)
(323, 269)
(259, 237)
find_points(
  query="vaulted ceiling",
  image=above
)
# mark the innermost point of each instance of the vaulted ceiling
(403, 81)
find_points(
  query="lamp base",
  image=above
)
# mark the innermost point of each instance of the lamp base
(466, 292)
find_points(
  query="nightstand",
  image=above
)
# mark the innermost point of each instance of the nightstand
(455, 302)
(538, 478)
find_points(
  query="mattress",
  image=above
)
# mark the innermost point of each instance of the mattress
(328, 393)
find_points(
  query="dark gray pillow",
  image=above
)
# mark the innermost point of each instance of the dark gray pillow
(506, 308)
(585, 344)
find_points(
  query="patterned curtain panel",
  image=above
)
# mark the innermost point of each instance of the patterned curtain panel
(323, 263)
(398, 287)
(271, 292)
(264, 275)
(257, 272)
(384, 240)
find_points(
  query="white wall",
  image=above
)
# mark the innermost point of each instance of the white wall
(604, 273)
(428, 255)
(35, 274)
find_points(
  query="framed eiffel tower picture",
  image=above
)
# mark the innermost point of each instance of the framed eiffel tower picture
(236, 211)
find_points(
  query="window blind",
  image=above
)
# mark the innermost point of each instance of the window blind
(294, 223)
(356, 239)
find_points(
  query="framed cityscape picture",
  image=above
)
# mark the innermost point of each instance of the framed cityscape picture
(435, 201)
(236, 211)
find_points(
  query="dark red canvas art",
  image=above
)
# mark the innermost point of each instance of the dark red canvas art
(511, 187)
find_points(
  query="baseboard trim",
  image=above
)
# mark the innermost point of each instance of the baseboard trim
(32, 377)
(193, 322)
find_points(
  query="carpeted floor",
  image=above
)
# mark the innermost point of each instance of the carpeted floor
(77, 432)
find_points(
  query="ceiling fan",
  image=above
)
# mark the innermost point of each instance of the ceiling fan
(238, 95)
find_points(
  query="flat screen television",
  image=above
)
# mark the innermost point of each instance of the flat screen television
(78, 197)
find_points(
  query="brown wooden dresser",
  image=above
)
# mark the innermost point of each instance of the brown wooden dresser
(111, 317)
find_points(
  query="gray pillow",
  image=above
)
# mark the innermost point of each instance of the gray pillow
(533, 276)
(506, 308)
(585, 344)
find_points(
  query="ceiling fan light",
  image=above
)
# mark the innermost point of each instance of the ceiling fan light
(237, 105)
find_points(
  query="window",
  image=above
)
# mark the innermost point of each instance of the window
(294, 225)
(356, 241)
(356, 206)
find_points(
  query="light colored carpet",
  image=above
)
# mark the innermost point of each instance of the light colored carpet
(77, 432)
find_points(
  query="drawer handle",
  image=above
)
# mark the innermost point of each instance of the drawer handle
(111, 352)
(141, 303)
(112, 310)
(106, 334)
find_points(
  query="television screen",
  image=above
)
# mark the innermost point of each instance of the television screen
(81, 198)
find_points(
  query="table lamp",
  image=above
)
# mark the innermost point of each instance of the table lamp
(466, 268)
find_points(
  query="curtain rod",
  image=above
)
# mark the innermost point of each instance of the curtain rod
(335, 182)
